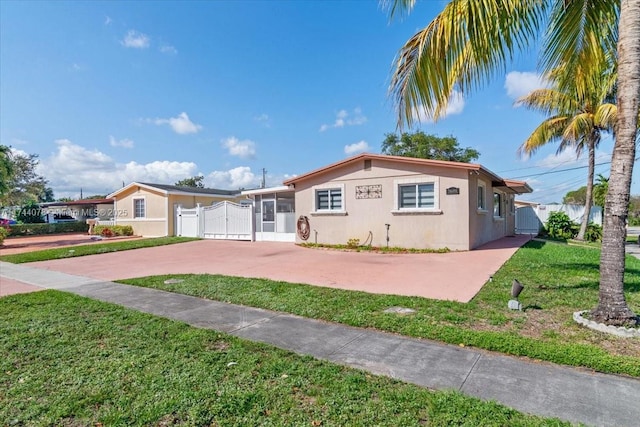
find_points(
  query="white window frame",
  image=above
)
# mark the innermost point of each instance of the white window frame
(482, 189)
(500, 205)
(397, 183)
(144, 201)
(329, 187)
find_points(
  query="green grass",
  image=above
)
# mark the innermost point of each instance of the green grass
(559, 279)
(92, 249)
(66, 360)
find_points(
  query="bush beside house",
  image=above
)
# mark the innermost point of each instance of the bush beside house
(113, 230)
(560, 227)
(55, 228)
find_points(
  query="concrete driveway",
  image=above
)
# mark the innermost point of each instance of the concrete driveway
(454, 276)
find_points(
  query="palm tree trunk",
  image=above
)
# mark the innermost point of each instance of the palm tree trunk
(612, 308)
(589, 195)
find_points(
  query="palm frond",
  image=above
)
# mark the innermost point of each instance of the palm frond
(549, 102)
(605, 116)
(548, 131)
(461, 49)
(581, 35)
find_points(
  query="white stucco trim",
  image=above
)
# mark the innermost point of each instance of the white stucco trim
(166, 215)
(133, 206)
(142, 220)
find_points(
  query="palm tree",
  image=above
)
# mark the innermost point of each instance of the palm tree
(471, 40)
(575, 122)
(600, 190)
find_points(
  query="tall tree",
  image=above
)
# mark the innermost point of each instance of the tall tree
(25, 185)
(6, 170)
(425, 146)
(575, 197)
(194, 181)
(577, 118)
(470, 40)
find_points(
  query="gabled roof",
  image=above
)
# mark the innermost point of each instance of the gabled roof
(177, 190)
(515, 186)
(81, 202)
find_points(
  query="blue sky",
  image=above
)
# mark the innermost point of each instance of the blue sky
(113, 92)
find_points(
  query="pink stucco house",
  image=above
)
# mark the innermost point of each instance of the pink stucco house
(416, 203)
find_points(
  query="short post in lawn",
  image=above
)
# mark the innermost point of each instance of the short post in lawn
(516, 288)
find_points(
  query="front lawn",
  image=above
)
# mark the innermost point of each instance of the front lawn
(92, 249)
(69, 361)
(558, 279)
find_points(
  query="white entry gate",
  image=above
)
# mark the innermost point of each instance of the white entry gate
(223, 220)
(227, 220)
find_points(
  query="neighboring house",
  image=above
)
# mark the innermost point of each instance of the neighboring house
(78, 210)
(150, 208)
(405, 202)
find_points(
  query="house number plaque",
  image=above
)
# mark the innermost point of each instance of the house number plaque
(369, 191)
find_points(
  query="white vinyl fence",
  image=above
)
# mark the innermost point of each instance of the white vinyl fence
(530, 219)
(223, 220)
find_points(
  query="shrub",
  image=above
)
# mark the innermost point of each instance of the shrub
(559, 226)
(113, 230)
(106, 232)
(353, 243)
(593, 233)
(36, 229)
(3, 233)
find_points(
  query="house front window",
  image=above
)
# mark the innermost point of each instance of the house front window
(329, 199)
(138, 208)
(497, 205)
(482, 203)
(415, 196)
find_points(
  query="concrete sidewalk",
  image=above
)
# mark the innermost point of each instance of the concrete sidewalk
(533, 387)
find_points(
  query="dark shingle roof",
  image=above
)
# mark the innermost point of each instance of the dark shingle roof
(175, 188)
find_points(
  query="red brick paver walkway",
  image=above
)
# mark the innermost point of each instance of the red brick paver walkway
(453, 276)
(18, 245)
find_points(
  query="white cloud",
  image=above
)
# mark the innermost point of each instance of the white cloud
(454, 106)
(240, 177)
(568, 158)
(181, 124)
(358, 147)
(136, 40)
(169, 50)
(124, 143)
(245, 149)
(521, 83)
(73, 167)
(344, 118)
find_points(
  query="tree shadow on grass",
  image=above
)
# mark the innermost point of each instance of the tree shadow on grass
(629, 286)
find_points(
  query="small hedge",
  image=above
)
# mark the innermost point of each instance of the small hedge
(37, 229)
(3, 233)
(113, 230)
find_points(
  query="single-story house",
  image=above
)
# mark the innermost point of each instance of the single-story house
(150, 208)
(407, 202)
(78, 210)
